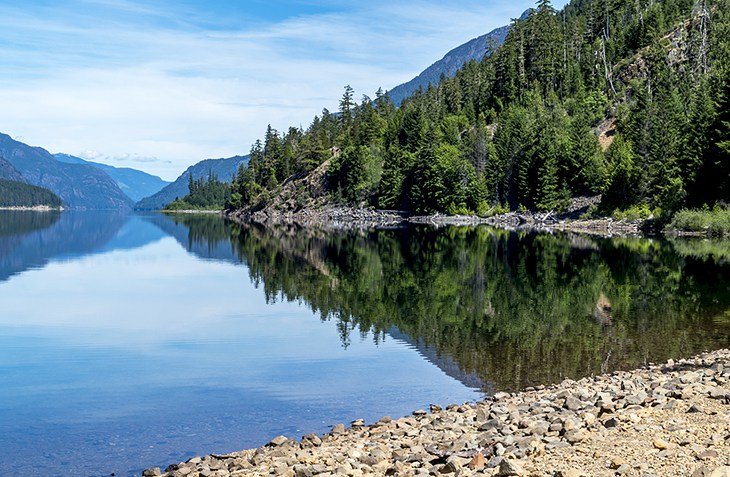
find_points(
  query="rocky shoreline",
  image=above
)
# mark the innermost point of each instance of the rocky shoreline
(345, 218)
(323, 214)
(661, 420)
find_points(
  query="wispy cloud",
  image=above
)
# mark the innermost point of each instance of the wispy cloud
(178, 84)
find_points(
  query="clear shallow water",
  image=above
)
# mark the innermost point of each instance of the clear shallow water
(132, 341)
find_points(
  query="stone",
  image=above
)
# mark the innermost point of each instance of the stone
(610, 422)
(570, 473)
(660, 443)
(152, 472)
(338, 429)
(478, 462)
(490, 424)
(277, 441)
(573, 403)
(694, 408)
(708, 455)
(509, 468)
(623, 469)
(721, 472)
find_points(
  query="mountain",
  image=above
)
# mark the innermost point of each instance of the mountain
(8, 172)
(79, 186)
(475, 49)
(224, 169)
(20, 194)
(134, 183)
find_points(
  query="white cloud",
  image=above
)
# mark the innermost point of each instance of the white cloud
(133, 86)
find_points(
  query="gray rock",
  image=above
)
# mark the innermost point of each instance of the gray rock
(277, 441)
(509, 468)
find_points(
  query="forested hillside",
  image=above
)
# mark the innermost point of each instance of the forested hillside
(20, 194)
(624, 98)
(224, 169)
(203, 194)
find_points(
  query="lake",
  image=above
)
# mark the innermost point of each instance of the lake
(130, 341)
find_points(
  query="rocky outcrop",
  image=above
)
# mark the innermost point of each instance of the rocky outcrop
(666, 420)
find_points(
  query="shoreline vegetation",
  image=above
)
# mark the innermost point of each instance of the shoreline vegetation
(659, 420)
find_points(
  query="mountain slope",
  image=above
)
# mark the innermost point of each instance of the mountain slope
(134, 183)
(475, 49)
(8, 172)
(224, 169)
(20, 194)
(78, 186)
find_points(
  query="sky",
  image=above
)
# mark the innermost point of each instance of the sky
(160, 85)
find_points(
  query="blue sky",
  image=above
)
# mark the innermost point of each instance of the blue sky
(161, 85)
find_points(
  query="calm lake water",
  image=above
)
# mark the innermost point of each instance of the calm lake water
(133, 341)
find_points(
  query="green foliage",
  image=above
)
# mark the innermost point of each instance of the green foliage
(204, 194)
(20, 194)
(713, 222)
(520, 127)
(633, 213)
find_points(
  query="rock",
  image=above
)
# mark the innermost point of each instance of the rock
(575, 437)
(152, 472)
(510, 468)
(419, 413)
(570, 473)
(338, 429)
(478, 462)
(277, 441)
(610, 422)
(708, 455)
(660, 443)
(358, 423)
(623, 469)
(573, 404)
(490, 424)
(616, 462)
(721, 472)
(694, 408)
(312, 439)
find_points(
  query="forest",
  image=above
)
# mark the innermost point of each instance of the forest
(20, 194)
(627, 99)
(204, 193)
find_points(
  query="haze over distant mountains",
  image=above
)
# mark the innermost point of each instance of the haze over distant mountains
(475, 49)
(78, 185)
(134, 183)
(224, 169)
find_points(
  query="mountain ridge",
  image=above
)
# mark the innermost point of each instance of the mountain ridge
(223, 168)
(135, 184)
(474, 49)
(79, 186)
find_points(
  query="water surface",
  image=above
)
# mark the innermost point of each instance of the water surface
(132, 341)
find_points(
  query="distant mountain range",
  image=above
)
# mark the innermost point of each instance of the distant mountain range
(134, 183)
(79, 186)
(224, 169)
(475, 49)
